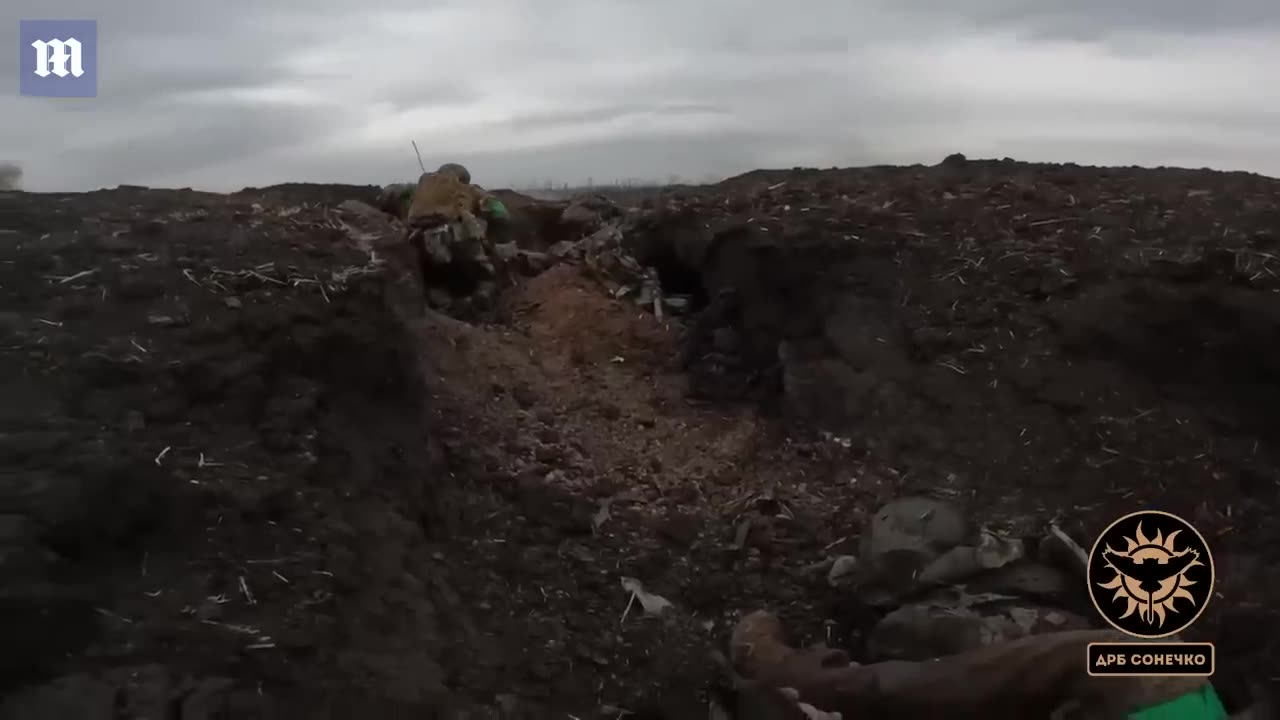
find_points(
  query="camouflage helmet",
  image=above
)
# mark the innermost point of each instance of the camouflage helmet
(455, 170)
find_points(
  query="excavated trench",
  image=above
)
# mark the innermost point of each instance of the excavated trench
(233, 485)
(309, 504)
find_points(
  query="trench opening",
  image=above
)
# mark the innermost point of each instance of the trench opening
(677, 278)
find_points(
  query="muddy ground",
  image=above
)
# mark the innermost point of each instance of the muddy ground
(247, 474)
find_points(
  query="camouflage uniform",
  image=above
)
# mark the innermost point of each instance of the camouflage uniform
(448, 212)
(449, 223)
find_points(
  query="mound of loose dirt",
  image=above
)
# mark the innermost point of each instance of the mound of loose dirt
(245, 472)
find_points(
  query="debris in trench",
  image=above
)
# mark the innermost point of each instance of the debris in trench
(1058, 548)
(995, 551)
(601, 516)
(654, 605)
(842, 570)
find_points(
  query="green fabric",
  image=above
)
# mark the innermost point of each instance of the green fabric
(494, 208)
(1202, 704)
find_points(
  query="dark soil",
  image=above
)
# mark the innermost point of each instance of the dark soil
(245, 474)
(1038, 340)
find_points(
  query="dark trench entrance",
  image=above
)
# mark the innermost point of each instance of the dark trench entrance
(677, 278)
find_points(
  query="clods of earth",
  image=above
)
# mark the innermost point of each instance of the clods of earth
(249, 472)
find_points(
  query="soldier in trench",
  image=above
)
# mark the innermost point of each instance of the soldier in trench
(1032, 678)
(449, 226)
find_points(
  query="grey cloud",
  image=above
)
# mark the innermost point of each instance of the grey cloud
(695, 157)
(431, 91)
(612, 112)
(691, 158)
(123, 88)
(202, 141)
(150, 146)
(1084, 19)
(248, 92)
(688, 157)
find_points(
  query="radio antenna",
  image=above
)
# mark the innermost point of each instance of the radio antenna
(415, 152)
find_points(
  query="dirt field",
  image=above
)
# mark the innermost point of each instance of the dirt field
(246, 474)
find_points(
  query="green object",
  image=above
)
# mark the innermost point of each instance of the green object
(1202, 704)
(494, 208)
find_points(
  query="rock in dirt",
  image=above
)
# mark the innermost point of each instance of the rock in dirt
(843, 571)
(963, 562)
(1031, 580)
(907, 534)
(915, 543)
(959, 622)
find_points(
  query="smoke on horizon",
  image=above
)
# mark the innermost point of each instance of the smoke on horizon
(10, 176)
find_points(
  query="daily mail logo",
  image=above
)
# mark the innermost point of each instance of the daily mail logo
(59, 58)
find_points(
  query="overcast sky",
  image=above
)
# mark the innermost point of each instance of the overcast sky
(229, 93)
